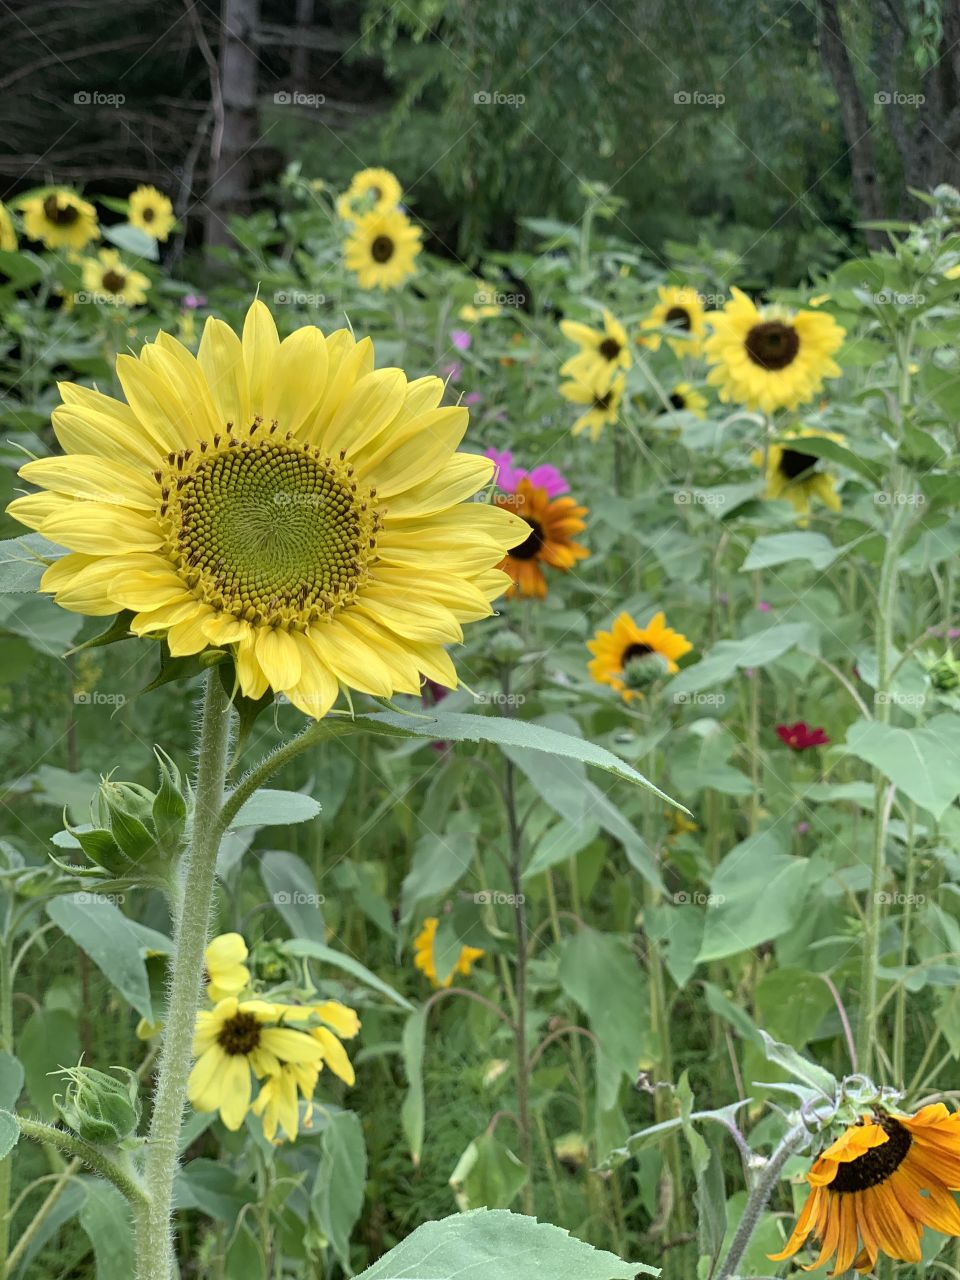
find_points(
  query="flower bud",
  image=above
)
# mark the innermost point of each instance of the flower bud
(506, 648)
(643, 671)
(97, 1107)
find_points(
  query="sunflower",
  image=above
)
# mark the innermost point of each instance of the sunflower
(370, 191)
(601, 394)
(107, 278)
(602, 351)
(681, 310)
(425, 960)
(234, 1041)
(282, 500)
(8, 236)
(551, 524)
(684, 399)
(770, 358)
(796, 476)
(878, 1186)
(152, 212)
(60, 219)
(226, 971)
(382, 249)
(627, 656)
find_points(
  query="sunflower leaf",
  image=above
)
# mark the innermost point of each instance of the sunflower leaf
(796, 1065)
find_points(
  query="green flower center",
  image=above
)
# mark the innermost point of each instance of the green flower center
(772, 345)
(679, 318)
(382, 249)
(794, 464)
(268, 531)
(876, 1165)
(62, 215)
(239, 1034)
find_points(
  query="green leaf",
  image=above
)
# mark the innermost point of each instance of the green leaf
(722, 661)
(319, 951)
(132, 240)
(212, 1188)
(488, 1175)
(48, 1040)
(105, 1217)
(796, 1065)
(439, 863)
(294, 893)
(9, 1133)
(267, 808)
(413, 1110)
(871, 469)
(21, 567)
(11, 1080)
(337, 1196)
(923, 763)
(494, 1244)
(779, 548)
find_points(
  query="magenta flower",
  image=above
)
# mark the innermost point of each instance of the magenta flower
(461, 339)
(472, 397)
(543, 477)
(452, 371)
(549, 478)
(194, 300)
(763, 606)
(508, 476)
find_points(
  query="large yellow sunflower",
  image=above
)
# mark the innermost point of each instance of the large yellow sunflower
(622, 656)
(282, 500)
(424, 958)
(551, 525)
(8, 236)
(770, 358)
(601, 396)
(108, 279)
(370, 191)
(60, 219)
(152, 212)
(602, 351)
(679, 309)
(798, 477)
(878, 1186)
(382, 249)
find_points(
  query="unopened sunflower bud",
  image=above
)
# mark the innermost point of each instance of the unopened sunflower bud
(507, 648)
(97, 1107)
(945, 675)
(169, 809)
(645, 670)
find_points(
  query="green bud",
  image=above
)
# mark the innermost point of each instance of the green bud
(945, 675)
(169, 810)
(97, 1107)
(645, 670)
(507, 648)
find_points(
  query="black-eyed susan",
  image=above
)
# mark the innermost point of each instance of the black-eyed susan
(684, 398)
(424, 957)
(680, 310)
(877, 1187)
(382, 249)
(283, 500)
(551, 526)
(227, 973)
(152, 212)
(602, 351)
(628, 657)
(235, 1042)
(108, 279)
(799, 477)
(8, 234)
(60, 219)
(601, 396)
(770, 358)
(370, 191)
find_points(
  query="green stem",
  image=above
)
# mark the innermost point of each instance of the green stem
(125, 1180)
(762, 1190)
(155, 1246)
(909, 887)
(6, 1043)
(56, 1191)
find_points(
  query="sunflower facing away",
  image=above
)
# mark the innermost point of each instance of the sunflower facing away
(684, 399)
(798, 477)
(370, 191)
(627, 657)
(602, 351)
(551, 524)
(425, 960)
(152, 212)
(382, 249)
(878, 1186)
(770, 358)
(601, 396)
(60, 219)
(681, 310)
(8, 236)
(282, 500)
(110, 280)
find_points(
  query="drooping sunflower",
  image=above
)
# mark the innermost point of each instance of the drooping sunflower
(770, 358)
(107, 277)
(424, 958)
(627, 656)
(60, 219)
(551, 524)
(8, 235)
(680, 309)
(234, 1042)
(370, 191)
(602, 351)
(685, 399)
(382, 249)
(152, 212)
(877, 1187)
(798, 477)
(601, 395)
(227, 973)
(283, 500)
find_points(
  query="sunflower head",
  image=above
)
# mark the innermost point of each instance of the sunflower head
(602, 351)
(600, 395)
(551, 524)
(60, 219)
(151, 211)
(630, 659)
(424, 958)
(685, 399)
(370, 191)
(382, 249)
(797, 476)
(108, 278)
(679, 311)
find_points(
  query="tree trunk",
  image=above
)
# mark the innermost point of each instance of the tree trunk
(300, 62)
(231, 160)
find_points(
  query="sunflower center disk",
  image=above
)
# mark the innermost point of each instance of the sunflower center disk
(876, 1165)
(271, 533)
(239, 1034)
(114, 281)
(772, 344)
(609, 348)
(531, 545)
(794, 464)
(381, 250)
(64, 215)
(679, 318)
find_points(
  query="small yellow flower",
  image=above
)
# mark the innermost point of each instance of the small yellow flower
(152, 212)
(370, 191)
(109, 279)
(8, 236)
(601, 394)
(625, 646)
(226, 971)
(798, 477)
(424, 959)
(602, 351)
(382, 249)
(684, 399)
(60, 219)
(679, 310)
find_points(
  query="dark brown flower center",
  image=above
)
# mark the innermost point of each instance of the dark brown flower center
(679, 318)
(603, 402)
(634, 651)
(114, 281)
(531, 545)
(677, 401)
(876, 1165)
(772, 344)
(382, 249)
(63, 215)
(148, 214)
(793, 463)
(239, 1034)
(609, 348)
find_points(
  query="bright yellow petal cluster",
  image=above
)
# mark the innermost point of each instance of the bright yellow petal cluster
(799, 477)
(602, 351)
(424, 958)
(601, 394)
(281, 499)
(107, 279)
(680, 309)
(8, 235)
(60, 220)
(370, 191)
(685, 399)
(226, 971)
(152, 212)
(382, 249)
(614, 650)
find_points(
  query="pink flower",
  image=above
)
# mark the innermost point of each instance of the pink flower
(461, 339)
(763, 606)
(194, 300)
(472, 397)
(507, 476)
(549, 478)
(452, 371)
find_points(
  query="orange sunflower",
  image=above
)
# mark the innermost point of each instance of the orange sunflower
(622, 656)
(552, 526)
(878, 1186)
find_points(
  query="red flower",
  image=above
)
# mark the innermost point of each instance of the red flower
(800, 736)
